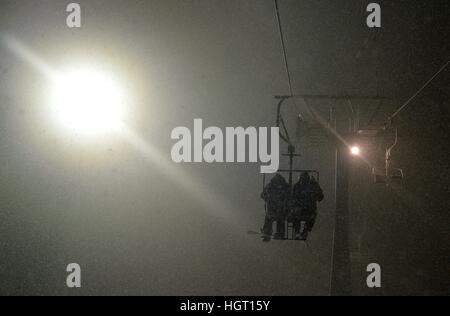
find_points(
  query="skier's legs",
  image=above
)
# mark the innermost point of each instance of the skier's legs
(281, 229)
(268, 226)
(311, 222)
(297, 225)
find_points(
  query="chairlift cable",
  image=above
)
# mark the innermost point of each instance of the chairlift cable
(283, 46)
(285, 59)
(418, 92)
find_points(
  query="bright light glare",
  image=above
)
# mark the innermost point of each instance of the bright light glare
(87, 102)
(355, 150)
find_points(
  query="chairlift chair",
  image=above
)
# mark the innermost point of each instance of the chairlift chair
(388, 174)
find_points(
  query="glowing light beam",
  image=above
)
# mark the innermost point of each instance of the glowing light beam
(98, 93)
(355, 150)
(87, 101)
